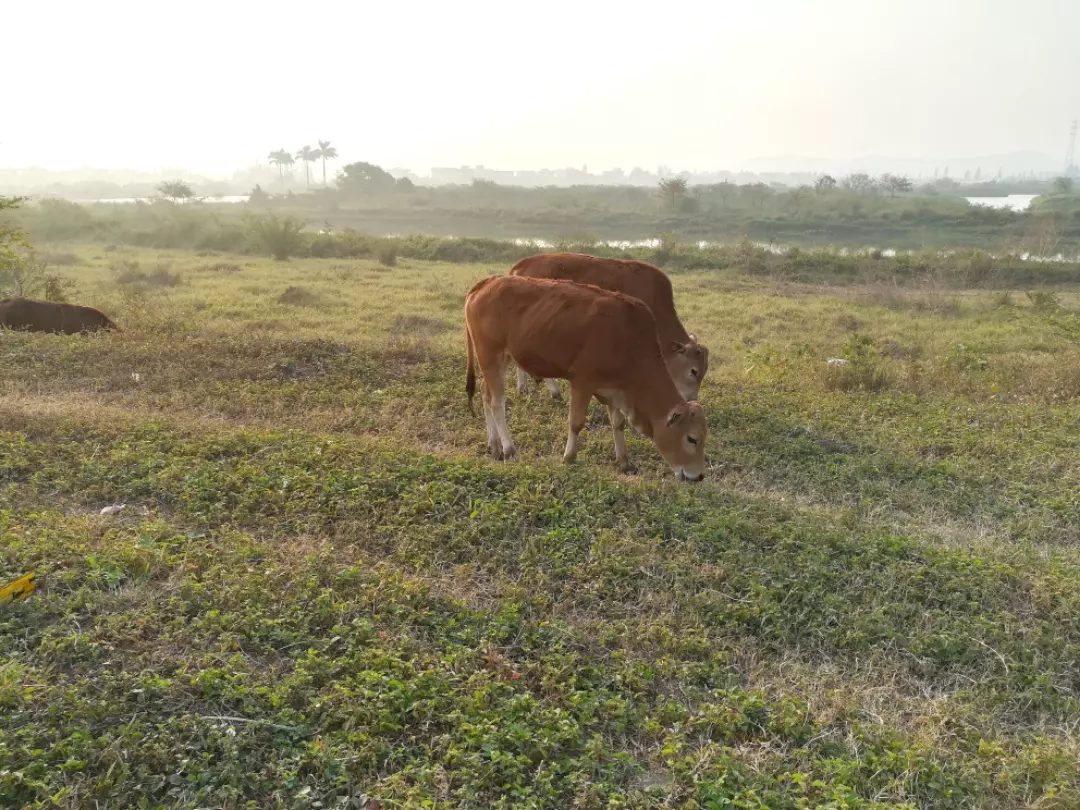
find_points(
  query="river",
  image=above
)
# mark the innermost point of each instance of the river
(1017, 202)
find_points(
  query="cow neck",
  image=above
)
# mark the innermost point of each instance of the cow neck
(672, 331)
(652, 404)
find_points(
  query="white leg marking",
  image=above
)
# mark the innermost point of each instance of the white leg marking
(494, 445)
(622, 457)
(499, 409)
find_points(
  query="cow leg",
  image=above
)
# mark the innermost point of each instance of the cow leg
(493, 368)
(553, 387)
(622, 458)
(522, 381)
(498, 411)
(579, 409)
(494, 443)
(495, 392)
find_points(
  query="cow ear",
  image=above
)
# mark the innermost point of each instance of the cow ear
(675, 415)
(677, 348)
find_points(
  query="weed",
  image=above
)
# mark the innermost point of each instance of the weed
(222, 267)
(60, 258)
(863, 368)
(1044, 300)
(298, 297)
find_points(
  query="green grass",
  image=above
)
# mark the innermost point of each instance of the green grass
(321, 590)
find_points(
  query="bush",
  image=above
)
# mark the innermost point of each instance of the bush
(163, 276)
(281, 237)
(126, 272)
(23, 276)
(667, 243)
(58, 288)
(388, 253)
(1044, 300)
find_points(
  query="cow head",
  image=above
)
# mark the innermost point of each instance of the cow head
(681, 441)
(687, 364)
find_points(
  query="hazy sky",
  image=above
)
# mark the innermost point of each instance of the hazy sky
(214, 86)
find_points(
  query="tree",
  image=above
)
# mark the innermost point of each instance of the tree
(175, 190)
(404, 186)
(326, 152)
(824, 183)
(365, 179)
(859, 182)
(757, 193)
(1062, 185)
(894, 183)
(258, 196)
(671, 190)
(797, 195)
(308, 155)
(725, 190)
(282, 158)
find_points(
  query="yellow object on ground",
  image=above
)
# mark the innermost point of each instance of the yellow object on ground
(18, 590)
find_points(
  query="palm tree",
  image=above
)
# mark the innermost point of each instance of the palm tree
(307, 154)
(326, 152)
(287, 161)
(282, 158)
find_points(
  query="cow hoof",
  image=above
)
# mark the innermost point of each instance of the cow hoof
(496, 451)
(509, 453)
(569, 459)
(556, 396)
(628, 468)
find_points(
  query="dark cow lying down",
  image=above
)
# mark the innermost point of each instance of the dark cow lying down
(29, 315)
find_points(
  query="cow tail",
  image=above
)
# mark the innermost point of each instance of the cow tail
(470, 370)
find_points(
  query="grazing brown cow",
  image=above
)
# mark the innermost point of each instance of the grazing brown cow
(604, 343)
(30, 315)
(686, 359)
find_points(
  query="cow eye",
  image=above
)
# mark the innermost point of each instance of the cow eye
(691, 439)
(693, 372)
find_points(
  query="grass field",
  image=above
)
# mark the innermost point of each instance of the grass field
(321, 593)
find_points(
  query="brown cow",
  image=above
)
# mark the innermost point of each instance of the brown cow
(604, 343)
(687, 360)
(30, 315)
